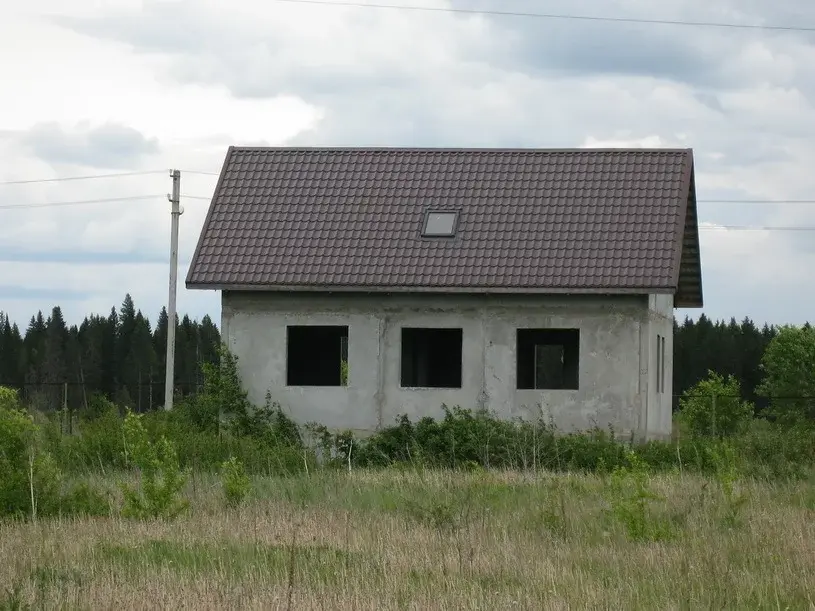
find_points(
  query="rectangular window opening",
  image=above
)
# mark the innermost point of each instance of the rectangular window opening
(548, 359)
(431, 357)
(316, 355)
(660, 364)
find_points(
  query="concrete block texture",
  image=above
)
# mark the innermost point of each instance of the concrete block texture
(617, 362)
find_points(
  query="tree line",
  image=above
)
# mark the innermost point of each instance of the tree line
(122, 356)
(726, 348)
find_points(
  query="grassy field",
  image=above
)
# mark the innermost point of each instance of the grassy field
(431, 540)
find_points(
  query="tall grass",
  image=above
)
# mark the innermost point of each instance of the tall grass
(420, 539)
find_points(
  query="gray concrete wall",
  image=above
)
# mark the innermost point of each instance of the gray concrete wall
(614, 369)
(659, 415)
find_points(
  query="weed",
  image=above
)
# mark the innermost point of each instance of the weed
(13, 599)
(82, 499)
(161, 477)
(630, 497)
(235, 482)
(727, 475)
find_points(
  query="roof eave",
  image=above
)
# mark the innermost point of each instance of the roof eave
(499, 290)
(685, 298)
(205, 226)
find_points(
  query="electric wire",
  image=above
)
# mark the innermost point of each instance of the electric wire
(702, 227)
(79, 202)
(86, 177)
(554, 16)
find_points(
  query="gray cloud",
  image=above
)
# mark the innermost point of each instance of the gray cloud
(743, 99)
(106, 146)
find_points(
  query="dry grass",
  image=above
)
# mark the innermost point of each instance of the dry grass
(391, 540)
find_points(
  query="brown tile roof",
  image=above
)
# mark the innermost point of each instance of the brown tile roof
(530, 220)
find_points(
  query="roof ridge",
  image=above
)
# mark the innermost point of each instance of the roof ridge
(349, 149)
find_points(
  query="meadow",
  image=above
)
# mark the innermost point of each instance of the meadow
(415, 539)
(221, 504)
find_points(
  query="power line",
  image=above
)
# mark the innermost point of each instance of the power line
(80, 202)
(201, 172)
(87, 177)
(758, 227)
(438, 9)
(755, 201)
(208, 198)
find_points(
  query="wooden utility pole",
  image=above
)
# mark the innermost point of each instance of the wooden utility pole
(175, 213)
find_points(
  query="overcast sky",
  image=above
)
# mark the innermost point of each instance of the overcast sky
(101, 86)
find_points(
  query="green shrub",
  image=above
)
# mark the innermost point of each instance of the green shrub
(235, 482)
(727, 475)
(161, 477)
(30, 483)
(776, 450)
(9, 399)
(788, 364)
(98, 406)
(630, 497)
(82, 499)
(714, 407)
(97, 445)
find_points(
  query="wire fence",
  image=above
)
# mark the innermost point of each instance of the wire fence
(147, 396)
(76, 396)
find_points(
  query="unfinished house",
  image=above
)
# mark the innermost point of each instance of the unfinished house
(359, 284)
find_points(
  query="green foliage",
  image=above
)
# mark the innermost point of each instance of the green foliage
(464, 438)
(9, 400)
(98, 443)
(714, 407)
(773, 450)
(221, 397)
(82, 499)
(161, 477)
(727, 470)
(30, 478)
(344, 372)
(223, 406)
(13, 600)
(235, 482)
(32, 482)
(789, 373)
(98, 407)
(630, 497)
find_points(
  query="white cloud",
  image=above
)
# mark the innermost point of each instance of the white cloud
(145, 85)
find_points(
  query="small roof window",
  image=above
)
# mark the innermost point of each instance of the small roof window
(440, 223)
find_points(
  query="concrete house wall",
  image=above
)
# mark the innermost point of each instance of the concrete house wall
(618, 357)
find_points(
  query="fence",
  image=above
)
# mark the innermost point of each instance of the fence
(146, 396)
(75, 396)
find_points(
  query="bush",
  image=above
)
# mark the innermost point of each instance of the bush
(84, 500)
(28, 478)
(97, 445)
(31, 479)
(789, 373)
(630, 497)
(772, 450)
(714, 407)
(161, 476)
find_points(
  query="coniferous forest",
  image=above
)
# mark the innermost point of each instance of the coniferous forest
(122, 356)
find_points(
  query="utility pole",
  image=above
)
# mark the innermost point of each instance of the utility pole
(175, 213)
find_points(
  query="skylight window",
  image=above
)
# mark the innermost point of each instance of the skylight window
(440, 223)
